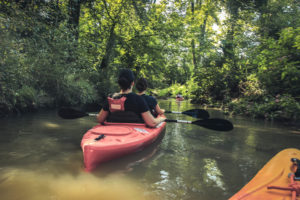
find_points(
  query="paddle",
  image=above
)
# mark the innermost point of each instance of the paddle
(214, 124)
(196, 113)
(70, 113)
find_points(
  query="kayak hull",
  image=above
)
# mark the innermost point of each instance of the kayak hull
(274, 173)
(119, 139)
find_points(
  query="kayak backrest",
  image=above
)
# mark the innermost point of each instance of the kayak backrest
(125, 117)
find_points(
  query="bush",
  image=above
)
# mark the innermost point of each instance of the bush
(76, 91)
(26, 98)
(172, 91)
(251, 87)
(281, 107)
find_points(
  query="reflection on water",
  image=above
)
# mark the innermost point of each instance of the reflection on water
(18, 184)
(213, 174)
(127, 163)
(40, 158)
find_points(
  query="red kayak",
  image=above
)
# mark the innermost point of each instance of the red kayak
(179, 98)
(113, 140)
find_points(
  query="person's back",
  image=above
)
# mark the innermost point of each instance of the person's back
(151, 102)
(125, 107)
(128, 101)
(141, 86)
(132, 103)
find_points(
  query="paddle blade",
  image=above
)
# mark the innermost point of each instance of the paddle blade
(215, 124)
(69, 113)
(197, 113)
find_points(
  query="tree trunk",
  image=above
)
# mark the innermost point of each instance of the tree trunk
(202, 38)
(74, 14)
(109, 47)
(193, 41)
(112, 37)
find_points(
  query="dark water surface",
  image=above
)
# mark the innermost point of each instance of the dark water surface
(40, 158)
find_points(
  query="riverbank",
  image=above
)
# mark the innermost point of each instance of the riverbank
(281, 108)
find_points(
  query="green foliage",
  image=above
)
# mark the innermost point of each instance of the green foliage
(77, 91)
(276, 16)
(26, 98)
(69, 52)
(281, 107)
(172, 91)
(278, 64)
(185, 90)
(163, 93)
(36, 56)
(251, 87)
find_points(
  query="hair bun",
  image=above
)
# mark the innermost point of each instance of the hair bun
(124, 83)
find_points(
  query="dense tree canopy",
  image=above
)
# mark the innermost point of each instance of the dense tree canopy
(68, 52)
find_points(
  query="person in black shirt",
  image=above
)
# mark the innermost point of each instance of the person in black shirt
(133, 102)
(141, 86)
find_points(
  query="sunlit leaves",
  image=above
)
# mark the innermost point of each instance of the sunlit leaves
(209, 47)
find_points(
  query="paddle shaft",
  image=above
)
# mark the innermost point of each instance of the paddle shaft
(178, 121)
(69, 113)
(196, 113)
(214, 124)
(175, 112)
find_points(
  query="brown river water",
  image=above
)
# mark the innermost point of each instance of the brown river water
(41, 159)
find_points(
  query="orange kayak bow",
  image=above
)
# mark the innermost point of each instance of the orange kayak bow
(277, 180)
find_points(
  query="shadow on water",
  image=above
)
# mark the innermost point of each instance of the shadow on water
(41, 158)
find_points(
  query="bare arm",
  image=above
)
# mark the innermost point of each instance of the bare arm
(102, 116)
(159, 110)
(150, 120)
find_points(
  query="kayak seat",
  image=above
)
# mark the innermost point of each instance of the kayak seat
(297, 164)
(125, 117)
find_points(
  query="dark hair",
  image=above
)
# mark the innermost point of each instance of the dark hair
(125, 79)
(141, 84)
